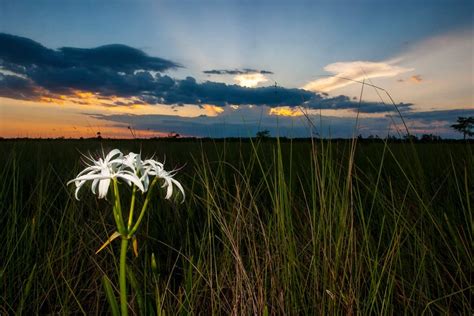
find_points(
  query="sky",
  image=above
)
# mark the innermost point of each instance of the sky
(232, 68)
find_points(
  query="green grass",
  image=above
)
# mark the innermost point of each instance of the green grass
(266, 228)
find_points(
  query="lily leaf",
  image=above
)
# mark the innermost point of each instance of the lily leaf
(135, 246)
(111, 238)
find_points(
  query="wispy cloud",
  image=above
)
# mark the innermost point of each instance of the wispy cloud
(243, 71)
(353, 70)
(416, 78)
(412, 79)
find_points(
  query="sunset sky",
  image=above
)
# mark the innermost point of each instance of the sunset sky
(232, 68)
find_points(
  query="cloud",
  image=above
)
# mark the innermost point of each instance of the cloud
(117, 70)
(416, 78)
(245, 77)
(412, 79)
(19, 54)
(117, 57)
(343, 102)
(16, 87)
(354, 70)
(191, 92)
(106, 70)
(111, 74)
(243, 71)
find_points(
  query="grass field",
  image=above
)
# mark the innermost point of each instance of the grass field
(266, 228)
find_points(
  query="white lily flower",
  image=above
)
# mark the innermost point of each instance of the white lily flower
(135, 163)
(155, 168)
(102, 171)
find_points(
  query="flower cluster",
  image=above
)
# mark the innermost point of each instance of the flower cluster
(129, 168)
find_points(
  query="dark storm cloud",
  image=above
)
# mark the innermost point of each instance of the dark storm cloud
(15, 87)
(24, 52)
(103, 81)
(118, 70)
(220, 94)
(343, 102)
(19, 51)
(244, 71)
(116, 57)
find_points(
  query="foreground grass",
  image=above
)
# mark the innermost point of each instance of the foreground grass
(267, 228)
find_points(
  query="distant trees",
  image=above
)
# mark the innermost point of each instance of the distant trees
(465, 125)
(430, 138)
(425, 138)
(410, 138)
(173, 135)
(263, 134)
(372, 137)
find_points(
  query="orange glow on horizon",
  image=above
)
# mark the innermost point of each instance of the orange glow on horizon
(285, 111)
(50, 119)
(93, 102)
(46, 130)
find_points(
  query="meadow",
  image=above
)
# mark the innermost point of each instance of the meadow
(268, 227)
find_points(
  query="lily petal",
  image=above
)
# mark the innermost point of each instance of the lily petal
(103, 187)
(180, 187)
(113, 153)
(132, 178)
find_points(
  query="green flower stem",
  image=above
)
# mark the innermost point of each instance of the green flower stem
(123, 277)
(117, 217)
(144, 207)
(132, 208)
(118, 210)
(127, 233)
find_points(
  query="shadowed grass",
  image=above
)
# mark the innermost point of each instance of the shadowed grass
(268, 227)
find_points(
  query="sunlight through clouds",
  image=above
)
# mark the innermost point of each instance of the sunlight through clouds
(285, 111)
(212, 110)
(250, 80)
